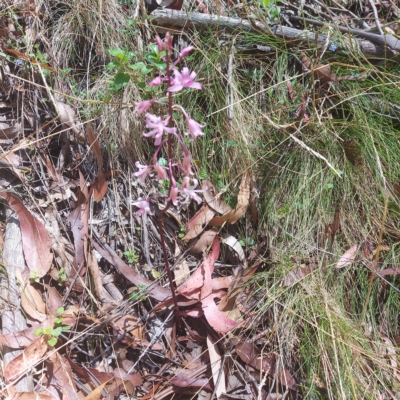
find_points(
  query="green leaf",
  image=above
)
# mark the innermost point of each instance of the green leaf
(57, 331)
(145, 70)
(121, 80)
(66, 328)
(162, 161)
(60, 311)
(58, 321)
(137, 66)
(52, 342)
(117, 52)
(39, 332)
(203, 174)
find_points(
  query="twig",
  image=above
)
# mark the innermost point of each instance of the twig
(184, 20)
(378, 23)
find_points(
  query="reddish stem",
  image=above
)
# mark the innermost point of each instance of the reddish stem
(160, 216)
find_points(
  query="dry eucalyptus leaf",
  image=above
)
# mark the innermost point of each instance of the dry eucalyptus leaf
(67, 115)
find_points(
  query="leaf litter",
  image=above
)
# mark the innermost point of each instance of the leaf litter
(106, 322)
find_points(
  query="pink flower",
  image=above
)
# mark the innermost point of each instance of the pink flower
(143, 106)
(143, 171)
(194, 128)
(184, 79)
(157, 126)
(162, 174)
(190, 192)
(143, 206)
(155, 82)
(159, 43)
(173, 193)
(187, 164)
(186, 51)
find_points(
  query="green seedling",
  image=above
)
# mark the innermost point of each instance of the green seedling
(52, 333)
(34, 276)
(131, 256)
(61, 275)
(138, 294)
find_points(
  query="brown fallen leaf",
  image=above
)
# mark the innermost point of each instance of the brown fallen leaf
(31, 299)
(97, 393)
(26, 360)
(67, 116)
(249, 354)
(153, 289)
(200, 287)
(36, 242)
(61, 376)
(216, 365)
(253, 204)
(79, 225)
(99, 184)
(348, 257)
(204, 242)
(242, 204)
(298, 274)
(213, 199)
(53, 300)
(199, 222)
(182, 270)
(234, 245)
(184, 381)
(33, 396)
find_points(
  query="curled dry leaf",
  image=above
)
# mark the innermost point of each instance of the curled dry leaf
(7, 132)
(184, 381)
(253, 204)
(53, 300)
(234, 244)
(99, 184)
(33, 396)
(181, 271)
(249, 354)
(36, 242)
(216, 364)
(26, 360)
(153, 289)
(217, 319)
(297, 274)
(348, 257)
(61, 376)
(199, 222)
(31, 299)
(135, 379)
(204, 242)
(200, 287)
(213, 198)
(79, 223)
(241, 207)
(67, 115)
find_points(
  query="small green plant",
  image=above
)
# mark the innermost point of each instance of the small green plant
(131, 256)
(54, 332)
(138, 294)
(181, 233)
(271, 8)
(34, 276)
(124, 66)
(247, 242)
(61, 275)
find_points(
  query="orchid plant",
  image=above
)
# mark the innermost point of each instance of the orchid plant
(163, 131)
